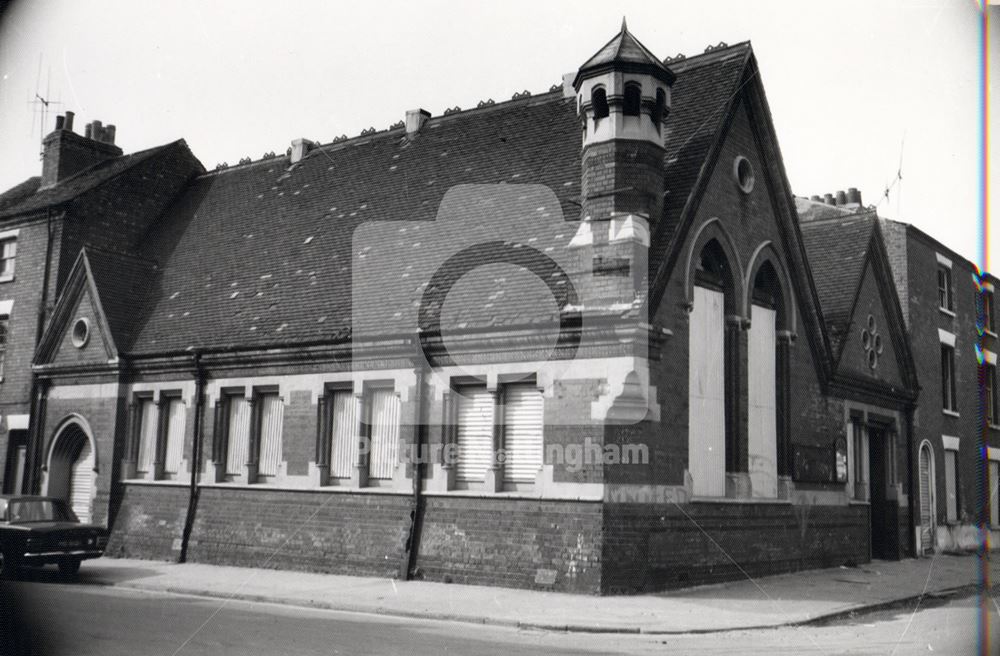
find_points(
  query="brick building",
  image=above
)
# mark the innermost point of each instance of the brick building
(575, 341)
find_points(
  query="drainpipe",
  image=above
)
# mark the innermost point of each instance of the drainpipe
(196, 454)
(912, 497)
(417, 474)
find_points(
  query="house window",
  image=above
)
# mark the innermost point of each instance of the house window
(8, 256)
(516, 411)
(951, 484)
(944, 287)
(991, 395)
(633, 98)
(146, 454)
(343, 425)
(383, 405)
(948, 399)
(4, 330)
(237, 434)
(269, 420)
(988, 311)
(174, 433)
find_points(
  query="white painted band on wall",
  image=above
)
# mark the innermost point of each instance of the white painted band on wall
(943, 261)
(991, 357)
(946, 338)
(9, 234)
(17, 422)
(6, 307)
(992, 453)
(950, 443)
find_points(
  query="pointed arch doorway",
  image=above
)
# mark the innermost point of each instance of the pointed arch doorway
(71, 469)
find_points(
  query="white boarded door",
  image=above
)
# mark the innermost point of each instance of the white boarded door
(706, 394)
(344, 440)
(926, 476)
(475, 433)
(385, 433)
(81, 482)
(763, 403)
(522, 432)
(272, 412)
(147, 435)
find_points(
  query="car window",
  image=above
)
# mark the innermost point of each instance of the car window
(38, 510)
(3, 510)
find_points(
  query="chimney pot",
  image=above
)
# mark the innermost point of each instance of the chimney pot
(841, 197)
(853, 195)
(415, 119)
(88, 130)
(828, 199)
(97, 131)
(68, 125)
(300, 147)
(816, 198)
(109, 134)
(60, 122)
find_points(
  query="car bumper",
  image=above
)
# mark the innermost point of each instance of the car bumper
(41, 558)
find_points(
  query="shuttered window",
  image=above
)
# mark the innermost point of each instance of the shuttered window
(475, 433)
(272, 411)
(948, 399)
(926, 499)
(992, 416)
(994, 494)
(81, 482)
(763, 402)
(147, 435)
(384, 433)
(238, 435)
(176, 420)
(522, 432)
(951, 484)
(706, 394)
(344, 437)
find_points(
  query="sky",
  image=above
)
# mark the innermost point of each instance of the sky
(858, 90)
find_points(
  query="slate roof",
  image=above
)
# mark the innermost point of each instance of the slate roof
(122, 282)
(624, 50)
(262, 254)
(27, 197)
(837, 246)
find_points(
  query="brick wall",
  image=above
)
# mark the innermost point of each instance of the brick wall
(650, 547)
(359, 534)
(551, 545)
(149, 523)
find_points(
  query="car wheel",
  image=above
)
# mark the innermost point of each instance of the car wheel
(8, 567)
(69, 567)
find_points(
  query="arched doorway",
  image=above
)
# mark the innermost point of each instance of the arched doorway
(71, 469)
(927, 501)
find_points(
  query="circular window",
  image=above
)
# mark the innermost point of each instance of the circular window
(743, 172)
(81, 333)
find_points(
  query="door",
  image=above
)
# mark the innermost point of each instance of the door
(926, 475)
(878, 488)
(707, 394)
(81, 482)
(17, 450)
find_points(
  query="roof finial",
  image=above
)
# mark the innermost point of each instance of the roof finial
(624, 26)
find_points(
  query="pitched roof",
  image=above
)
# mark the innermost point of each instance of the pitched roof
(839, 248)
(261, 254)
(625, 51)
(27, 196)
(122, 281)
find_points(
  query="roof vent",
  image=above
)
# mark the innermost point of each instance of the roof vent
(569, 91)
(300, 148)
(415, 119)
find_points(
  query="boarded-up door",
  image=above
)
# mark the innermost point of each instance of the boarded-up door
(81, 482)
(926, 475)
(763, 403)
(706, 394)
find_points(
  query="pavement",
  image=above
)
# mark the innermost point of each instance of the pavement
(807, 597)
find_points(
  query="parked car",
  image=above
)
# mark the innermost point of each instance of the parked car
(40, 530)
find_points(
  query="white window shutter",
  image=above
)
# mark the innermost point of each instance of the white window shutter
(950, 484)
(272, 411)
(176, 420)
(344, 442)
(384, 434)
(239, 435)
(522, 432)
(147, 435)
(763, 402)
(81, 483)
(707, 394)
(475, 433)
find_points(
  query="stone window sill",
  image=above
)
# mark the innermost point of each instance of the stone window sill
(746, 500)
(950, 413)
(946, 311)
(7, 278)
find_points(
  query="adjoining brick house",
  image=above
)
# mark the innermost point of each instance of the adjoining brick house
(253, 370)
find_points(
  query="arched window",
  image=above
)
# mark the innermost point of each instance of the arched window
(659, 109)
(708, 450)
(599, 102)
(765, 375)
(633, 96)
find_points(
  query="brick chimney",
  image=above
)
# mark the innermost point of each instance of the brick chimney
(65, 153)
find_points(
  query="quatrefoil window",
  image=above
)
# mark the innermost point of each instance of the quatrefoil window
(872, 342)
